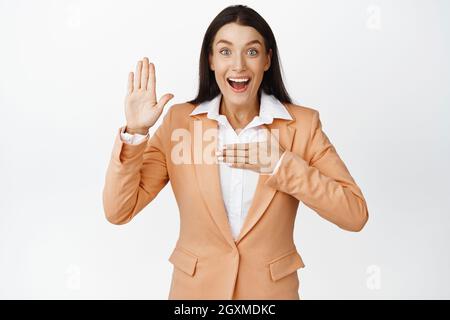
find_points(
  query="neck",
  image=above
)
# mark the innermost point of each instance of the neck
(239, 115)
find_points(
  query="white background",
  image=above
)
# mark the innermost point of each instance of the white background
(377, 71)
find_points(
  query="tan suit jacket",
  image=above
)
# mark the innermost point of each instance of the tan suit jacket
(263, 262)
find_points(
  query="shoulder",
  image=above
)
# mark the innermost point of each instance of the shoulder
(177, 115)
(303, 115)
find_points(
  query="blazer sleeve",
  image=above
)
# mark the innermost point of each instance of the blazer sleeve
(323, 182)
(135, 175)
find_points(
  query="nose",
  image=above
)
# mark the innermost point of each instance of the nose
(238, 63)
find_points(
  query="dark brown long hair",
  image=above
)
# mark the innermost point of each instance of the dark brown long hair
(272, 82)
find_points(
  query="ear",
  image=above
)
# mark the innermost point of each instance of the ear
(269, 57)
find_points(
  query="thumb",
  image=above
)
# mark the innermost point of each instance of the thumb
(164, 99)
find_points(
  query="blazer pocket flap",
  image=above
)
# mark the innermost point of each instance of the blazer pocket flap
(285, 265)
(184, 261)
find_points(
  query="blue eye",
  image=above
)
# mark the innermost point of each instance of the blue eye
(256, 52)
(253, 50)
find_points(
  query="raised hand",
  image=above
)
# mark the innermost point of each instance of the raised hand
(142, 110)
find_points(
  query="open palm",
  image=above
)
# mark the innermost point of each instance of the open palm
(142, 110)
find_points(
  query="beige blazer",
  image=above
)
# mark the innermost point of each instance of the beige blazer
(263, 262)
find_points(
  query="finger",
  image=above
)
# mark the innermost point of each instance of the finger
(233, 159)
(137, 75)
(240, 163)
(245, 166)
(130, 82)
(265, 156)
(151, 85)
(236, 152)
(253, 146)
(253, 157)
(144, 77)
(265, 169)
(164, 99)
(242, 146)
(236, 146)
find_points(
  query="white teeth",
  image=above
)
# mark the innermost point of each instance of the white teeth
(238, 80)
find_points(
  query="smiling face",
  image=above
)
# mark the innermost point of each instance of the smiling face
(238, 53)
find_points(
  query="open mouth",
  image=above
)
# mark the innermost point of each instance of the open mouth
(238, 85)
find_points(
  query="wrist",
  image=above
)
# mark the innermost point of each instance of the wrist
(142, 131)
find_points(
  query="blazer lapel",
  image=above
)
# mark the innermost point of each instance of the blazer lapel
(207, 174)
(264, 194)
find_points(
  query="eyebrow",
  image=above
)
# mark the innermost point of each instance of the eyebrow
(230, 43)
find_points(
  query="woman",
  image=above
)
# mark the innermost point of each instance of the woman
(237, 193)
